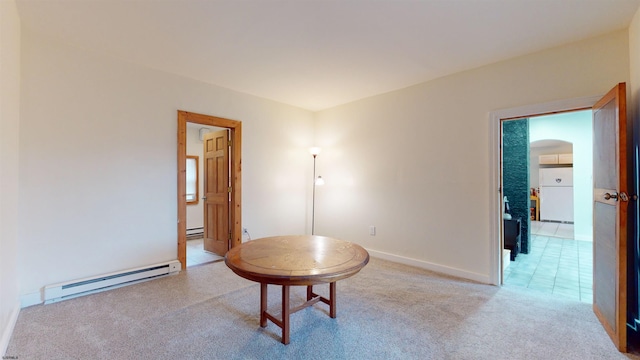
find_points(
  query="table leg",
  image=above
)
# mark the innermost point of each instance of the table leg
(284, 322)
(263, 305)
(332, 300)
(285, 314)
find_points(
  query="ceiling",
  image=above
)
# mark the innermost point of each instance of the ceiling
(317, 54)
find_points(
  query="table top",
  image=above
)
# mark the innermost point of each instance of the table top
(296, 259)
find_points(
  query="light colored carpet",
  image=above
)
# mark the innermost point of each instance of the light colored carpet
(387, 311)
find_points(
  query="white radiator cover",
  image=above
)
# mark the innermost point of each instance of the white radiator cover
(198, 230)
(71, 289)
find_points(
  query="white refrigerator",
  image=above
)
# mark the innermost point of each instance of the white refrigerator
(556, 194)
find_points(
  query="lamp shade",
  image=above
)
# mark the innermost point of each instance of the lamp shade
(314, 151)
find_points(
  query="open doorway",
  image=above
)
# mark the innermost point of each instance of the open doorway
(234, 211)
(612, 163)
(197, 252)
(556, 255)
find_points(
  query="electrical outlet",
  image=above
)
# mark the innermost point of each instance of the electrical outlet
(372, 230)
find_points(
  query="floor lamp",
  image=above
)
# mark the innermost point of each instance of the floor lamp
(316, 181)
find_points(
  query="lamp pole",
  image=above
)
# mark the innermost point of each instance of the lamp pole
(313, 197)
(314, 151)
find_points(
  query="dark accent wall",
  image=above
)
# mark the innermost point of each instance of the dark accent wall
(515, 175)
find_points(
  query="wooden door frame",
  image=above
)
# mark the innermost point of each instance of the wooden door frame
(235, 216)
(495, 158)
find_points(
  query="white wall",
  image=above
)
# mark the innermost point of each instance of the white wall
(576, 128)
(415, 162)
(9, 129)
(634, 61)
(98, 162)
(634, 84)
(412, 162)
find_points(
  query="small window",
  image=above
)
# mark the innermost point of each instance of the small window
(192, 180)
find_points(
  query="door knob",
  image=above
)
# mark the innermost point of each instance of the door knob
(615, 196)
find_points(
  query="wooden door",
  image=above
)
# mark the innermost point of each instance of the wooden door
(216, 192)
(610, 201)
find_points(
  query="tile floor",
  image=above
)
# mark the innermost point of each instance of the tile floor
(196, 254)
(557, 264)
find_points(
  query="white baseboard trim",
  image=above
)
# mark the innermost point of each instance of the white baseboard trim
(8, 330)
(27, 300)
(583, 237)
(482, 278)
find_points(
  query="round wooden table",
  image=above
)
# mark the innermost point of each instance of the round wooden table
(296, 260)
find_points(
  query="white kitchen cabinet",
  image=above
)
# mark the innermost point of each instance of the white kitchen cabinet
(565, 158)
(550, 159)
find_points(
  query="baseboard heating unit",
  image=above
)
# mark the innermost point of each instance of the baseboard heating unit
(68, 290)
(195, 233)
